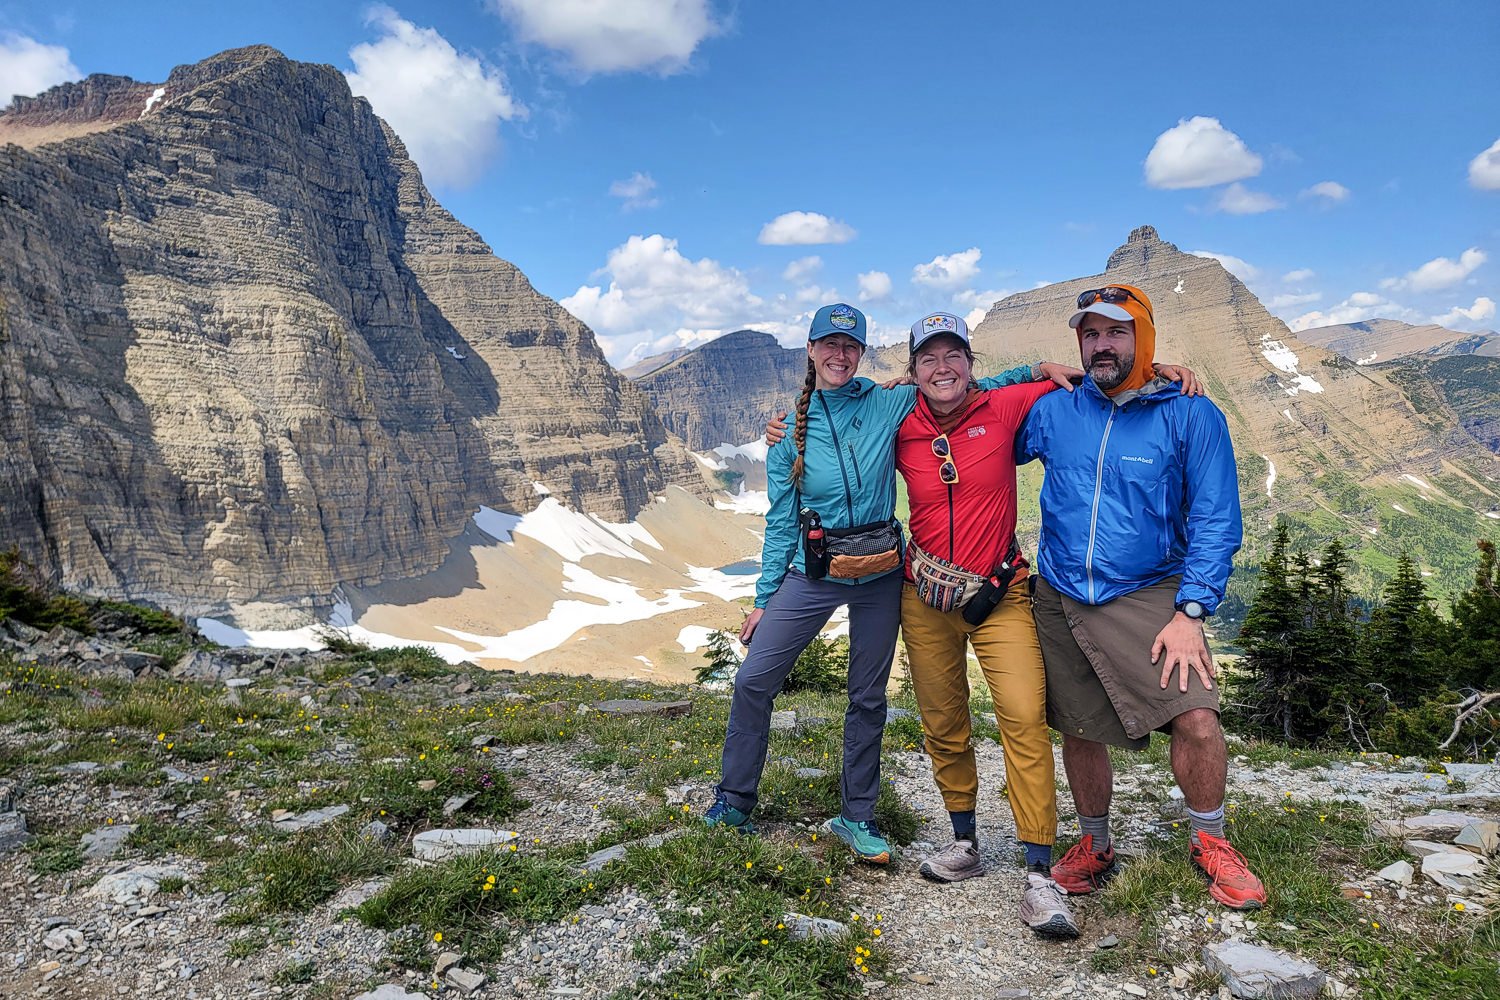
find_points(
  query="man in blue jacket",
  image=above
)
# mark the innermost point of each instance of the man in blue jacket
(1140, 519)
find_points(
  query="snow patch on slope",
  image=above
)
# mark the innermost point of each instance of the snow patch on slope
(1284, 360)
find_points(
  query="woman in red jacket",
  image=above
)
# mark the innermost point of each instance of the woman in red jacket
(966, 586)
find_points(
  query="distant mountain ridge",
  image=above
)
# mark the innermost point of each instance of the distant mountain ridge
(246, 356)
(723, 391)
(1378, 340)
(1338, 448)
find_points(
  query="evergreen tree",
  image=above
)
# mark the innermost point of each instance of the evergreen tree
(1401, 647)
(720, 662)
(1269, 636)
(1476, 626)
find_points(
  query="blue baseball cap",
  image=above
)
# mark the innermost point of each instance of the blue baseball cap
(838, 318)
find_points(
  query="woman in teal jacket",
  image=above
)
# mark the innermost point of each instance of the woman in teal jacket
(839, 463)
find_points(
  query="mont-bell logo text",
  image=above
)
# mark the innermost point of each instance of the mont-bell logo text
(976, 432)
(1138, 458)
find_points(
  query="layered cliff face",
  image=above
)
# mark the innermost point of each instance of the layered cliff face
(244, 355)
(722, 392)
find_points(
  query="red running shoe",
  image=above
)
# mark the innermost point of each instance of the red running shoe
(1082, 869)
(1229, 879)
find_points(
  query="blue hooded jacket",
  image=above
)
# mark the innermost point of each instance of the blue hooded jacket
(851, 483)
(1137, 489)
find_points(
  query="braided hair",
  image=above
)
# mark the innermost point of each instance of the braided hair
(799, 434)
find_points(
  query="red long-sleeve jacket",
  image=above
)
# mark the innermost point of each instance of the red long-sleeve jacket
(971, 522)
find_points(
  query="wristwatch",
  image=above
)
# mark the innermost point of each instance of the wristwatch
(1192, 609)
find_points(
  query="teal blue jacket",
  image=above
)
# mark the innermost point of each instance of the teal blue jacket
(848, 484)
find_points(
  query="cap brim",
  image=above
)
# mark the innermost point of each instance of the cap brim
(1106, 309)
(854, 334)
(916, 345)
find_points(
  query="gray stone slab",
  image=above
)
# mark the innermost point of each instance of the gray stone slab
(632, 706)
(608, 855)
(106, 841)
(391, 991)
(801, 927)
(310, 820)
(440, 845)
(13, 833)
(1253, 972)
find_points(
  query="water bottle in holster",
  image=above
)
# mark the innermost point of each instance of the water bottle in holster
(814, 543)
(993, 591)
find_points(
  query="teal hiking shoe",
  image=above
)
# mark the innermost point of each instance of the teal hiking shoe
(862, 838)
(721, 813)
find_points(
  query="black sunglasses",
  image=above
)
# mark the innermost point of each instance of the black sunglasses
(1113, 295)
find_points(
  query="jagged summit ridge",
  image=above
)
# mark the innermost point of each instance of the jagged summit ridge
(1143, 248)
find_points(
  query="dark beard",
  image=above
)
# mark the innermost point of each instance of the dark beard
(1120, 373)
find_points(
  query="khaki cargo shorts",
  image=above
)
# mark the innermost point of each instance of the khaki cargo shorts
(1101, 683)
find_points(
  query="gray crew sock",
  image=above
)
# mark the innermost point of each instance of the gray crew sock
(1211, 823)
(1098, 828)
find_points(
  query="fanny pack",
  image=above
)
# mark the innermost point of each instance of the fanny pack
(944, 586)
(941, 584)
(864, 549)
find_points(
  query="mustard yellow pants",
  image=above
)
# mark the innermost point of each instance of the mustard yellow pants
(1011, 660)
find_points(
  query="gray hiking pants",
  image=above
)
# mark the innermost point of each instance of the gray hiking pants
(795, 614)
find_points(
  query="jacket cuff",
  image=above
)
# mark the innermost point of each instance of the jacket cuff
(1201, 594)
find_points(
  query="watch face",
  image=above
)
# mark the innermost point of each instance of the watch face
(1193, 609)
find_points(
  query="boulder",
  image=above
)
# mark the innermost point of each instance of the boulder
(1253, 972)
(391, 991)
(203, 665)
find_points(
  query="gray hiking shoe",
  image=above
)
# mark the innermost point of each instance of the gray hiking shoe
(1044, 908)
(954, 863)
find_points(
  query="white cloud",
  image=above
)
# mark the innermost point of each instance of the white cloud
(802, 268)
(1237, 199)
(1328, 192)
(657, 299)
(1241, 269)
(615, 36)
(874, 286)
(1355, 309)
(1483, 309)
(1484, 169)
(1287, 301)
(28, 67)
(446, 107)
(978, 303)
(1301, 274)
(804, 229)
(635, 191)
(1439, 273)
(1199, 152)
(948, 271)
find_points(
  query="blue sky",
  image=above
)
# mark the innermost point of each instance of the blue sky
(670, 169)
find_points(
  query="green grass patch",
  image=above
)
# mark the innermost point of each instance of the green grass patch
(295, 874)
(1298, 851)
(462, 898)
(55, 853)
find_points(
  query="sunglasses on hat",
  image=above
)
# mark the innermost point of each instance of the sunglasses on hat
(1113, 295)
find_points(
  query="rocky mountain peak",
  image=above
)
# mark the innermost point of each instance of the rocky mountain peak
(247, 356)
(1142, 248)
